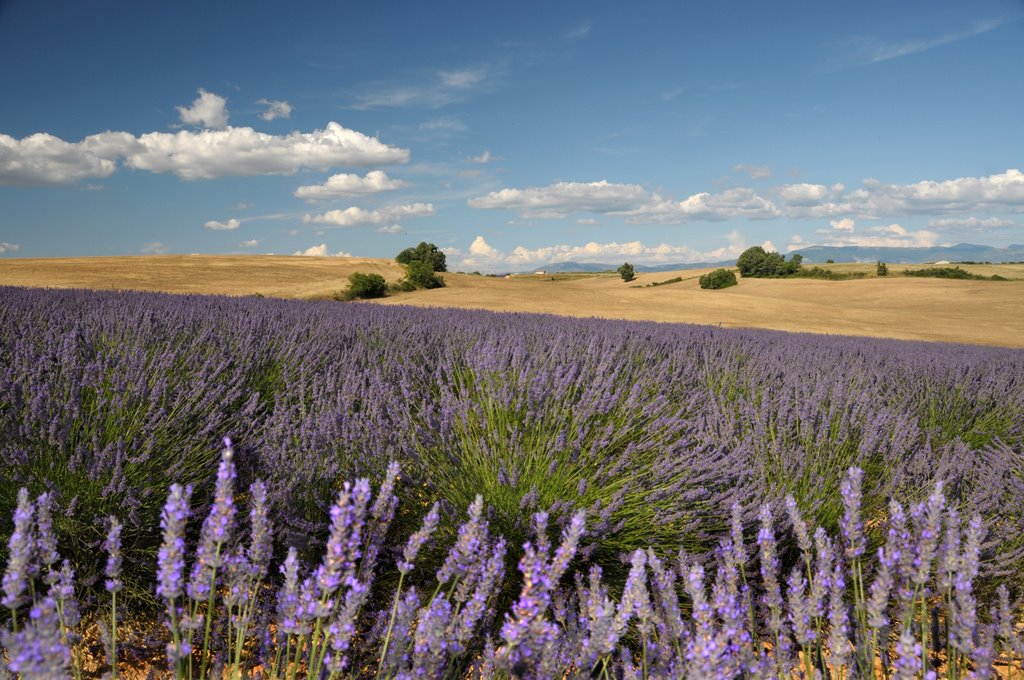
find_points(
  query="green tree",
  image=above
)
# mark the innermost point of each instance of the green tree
(720, 278)
(752, 261)
(756, 262)
(881, 269)
(626, 272)
(424, 252)
(366, 286)
(421, 275)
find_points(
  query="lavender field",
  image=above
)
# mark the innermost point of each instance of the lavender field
(622, 467)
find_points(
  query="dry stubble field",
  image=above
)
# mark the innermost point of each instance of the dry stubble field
(975, 312)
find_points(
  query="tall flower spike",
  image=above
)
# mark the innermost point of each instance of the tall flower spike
(113, 547)
(20, 548)
(418, 539)
(47, 539)
(853, 530)
(216, 529)
(171, 556)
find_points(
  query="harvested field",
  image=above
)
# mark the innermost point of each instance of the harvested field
(974, 312)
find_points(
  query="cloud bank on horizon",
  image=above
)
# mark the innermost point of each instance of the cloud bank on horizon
(576, 140)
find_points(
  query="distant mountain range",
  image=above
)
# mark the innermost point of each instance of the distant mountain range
(818, 254)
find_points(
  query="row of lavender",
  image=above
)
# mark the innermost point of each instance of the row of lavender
(917, 615)
(654, 430)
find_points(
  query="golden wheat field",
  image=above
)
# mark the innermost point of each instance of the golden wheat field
(975, 312)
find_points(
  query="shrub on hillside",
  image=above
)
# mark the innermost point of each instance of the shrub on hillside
(951, 273)
(365, 286)
(425, 252)
(720, 278)
(421, 275)
(881, 269)
(626, 272)
(756, 262)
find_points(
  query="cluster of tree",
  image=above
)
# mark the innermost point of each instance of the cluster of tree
(758, 263)
(421, 266)
(720, 278)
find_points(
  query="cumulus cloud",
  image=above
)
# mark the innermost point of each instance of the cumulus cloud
(729, 204)
(562, 198)
(1003, 191)
(355, 216)
(484, 256)
(251, 243)
(208, 110)
(275, 109)
(230, 225)
(338, 186)
(9, 248)
(390, 229)
(845, 224)
(320, 251)
(42, 158)
(241, 151)
(883, 236)
(974, 224)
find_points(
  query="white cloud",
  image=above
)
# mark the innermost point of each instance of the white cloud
(153, 248)
(320, 251)
(355, 216)
(796, 242)
(562, 198)
(730, 204)
(769, 247)
(587, 221)
(755, 171)
(251, 243)
(485, 157)
(482, 255)
(275, 109)
(845, 224)
(885, 236)
(44, 159)
(208, 110)
(390, 229)
(9, 248)
(809, 194)
(241, 151)
(442, 88)
(233, 152)
(338, 186)
(873, 51)
(230, 225)
(970, 224)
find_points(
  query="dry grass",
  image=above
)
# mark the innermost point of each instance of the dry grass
(976, 312)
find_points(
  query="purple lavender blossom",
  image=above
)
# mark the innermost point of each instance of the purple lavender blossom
(20, 547)
(46, 538)
(216, 530)
(170, 578)
(418, 539)
(851, 525)
(260, 531)
(39, 650)
(112, 545)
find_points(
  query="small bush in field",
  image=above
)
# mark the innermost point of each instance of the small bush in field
(720, 278)
(882, 269)
(366, 286)
(421, 275)
(626, 272)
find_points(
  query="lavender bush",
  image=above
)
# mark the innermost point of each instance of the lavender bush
(908, 611)
(654, 430)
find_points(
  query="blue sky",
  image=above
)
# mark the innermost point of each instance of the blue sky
(510, 135)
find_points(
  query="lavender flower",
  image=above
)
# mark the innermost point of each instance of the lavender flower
(20, 547)
(113, 547)
(261, 531)
(418, 539)
(852, 528)
(171, 556)
(46, 538)
(216, 530)
(39, 650)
